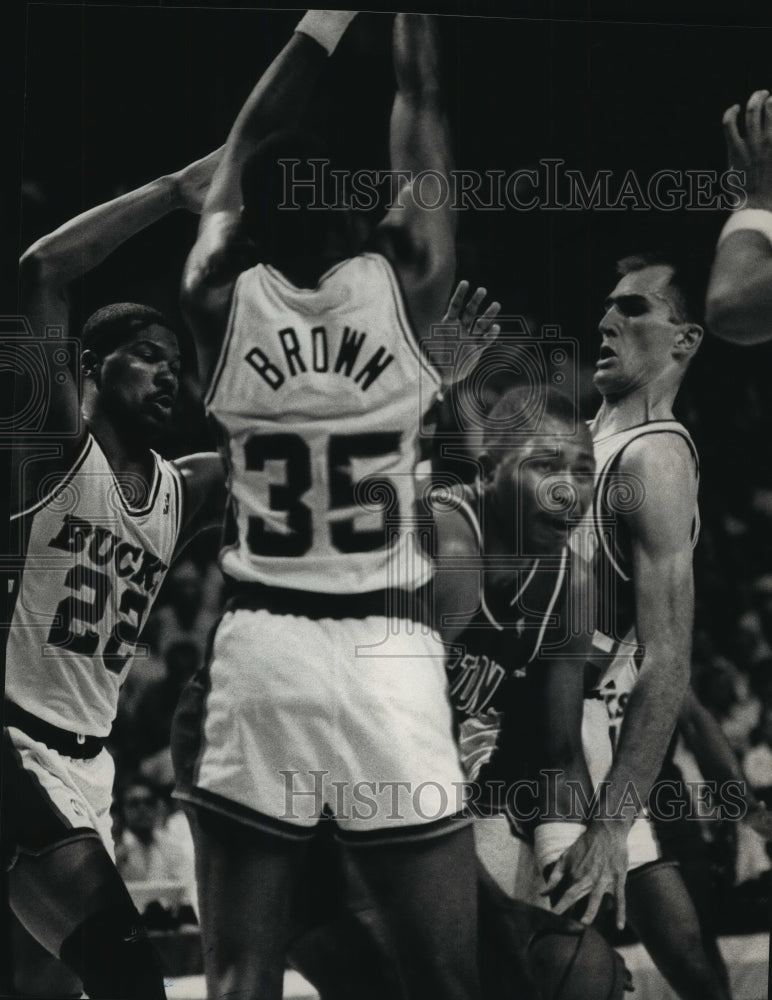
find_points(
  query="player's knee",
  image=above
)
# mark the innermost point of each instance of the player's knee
(113, 956)
(576, 963)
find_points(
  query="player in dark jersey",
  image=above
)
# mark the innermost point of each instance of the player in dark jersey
(97, 516)
(519, 629)
(646, 522)
(509, 594)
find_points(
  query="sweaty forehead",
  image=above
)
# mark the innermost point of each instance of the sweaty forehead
(555, 435)
(653, 281)
(161, 336)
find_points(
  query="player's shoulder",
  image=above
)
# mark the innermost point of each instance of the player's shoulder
(660, 458)
(663, 482)
(455, 520)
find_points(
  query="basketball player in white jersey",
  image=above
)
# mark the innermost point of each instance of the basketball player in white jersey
(739, 302)
(324, 682)
(97, 516)
(645, 520)
(510, 595)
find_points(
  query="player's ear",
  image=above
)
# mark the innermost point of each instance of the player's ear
(89, 362)
(688, 339)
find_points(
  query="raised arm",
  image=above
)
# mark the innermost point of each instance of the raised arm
(51, 264)
(660, 532)
(739, 305)
(420, 240)
(222, 250)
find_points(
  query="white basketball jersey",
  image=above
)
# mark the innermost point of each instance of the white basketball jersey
(615, 644)
(93, 565)
(319, 396)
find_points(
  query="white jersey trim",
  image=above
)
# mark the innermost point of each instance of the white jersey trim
(635, 433)
(406, 327)
(217, 371)
(551, 605)
(466, 509)
(155, 486)
(179, 494)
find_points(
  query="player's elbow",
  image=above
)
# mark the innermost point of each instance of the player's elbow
(721, 313)
(730, 316)
(196, 287)
(38, 266)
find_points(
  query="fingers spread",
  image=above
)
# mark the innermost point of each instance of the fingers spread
(593, 903)
(457, 300)
(473, 305)
(572, 895)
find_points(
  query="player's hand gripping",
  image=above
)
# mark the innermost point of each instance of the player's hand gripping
(192, 182)
(752, 153)
(595, 864)
(473, 326)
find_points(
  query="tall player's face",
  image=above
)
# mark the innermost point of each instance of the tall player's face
(638, 330)
(139, 382)
(541, 488)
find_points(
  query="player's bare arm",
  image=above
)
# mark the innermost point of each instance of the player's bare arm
(222, 250)
(457, 571)
(558, 697)
(739, 304)
(53, 262)
(661, 544)
(420, 243)
(203, 481)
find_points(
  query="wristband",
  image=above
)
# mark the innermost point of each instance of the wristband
(326, 27)
(758, 219)
(550, 840)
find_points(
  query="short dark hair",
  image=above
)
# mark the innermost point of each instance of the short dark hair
(111, 326)
(519, 411)
(688, 283)
(284, 231)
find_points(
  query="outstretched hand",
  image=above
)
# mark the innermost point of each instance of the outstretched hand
(593, 865)
(473, 326)
(752, 152)
(192, 182)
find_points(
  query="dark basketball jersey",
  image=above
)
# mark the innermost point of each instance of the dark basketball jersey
(489, 666)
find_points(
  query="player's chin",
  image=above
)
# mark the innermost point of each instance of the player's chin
(610, 381)
(550, 534)
(153, 423)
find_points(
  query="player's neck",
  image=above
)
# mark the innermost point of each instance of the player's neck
(638, 407)
(305, 272)
(499, 541)
(126, 455)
